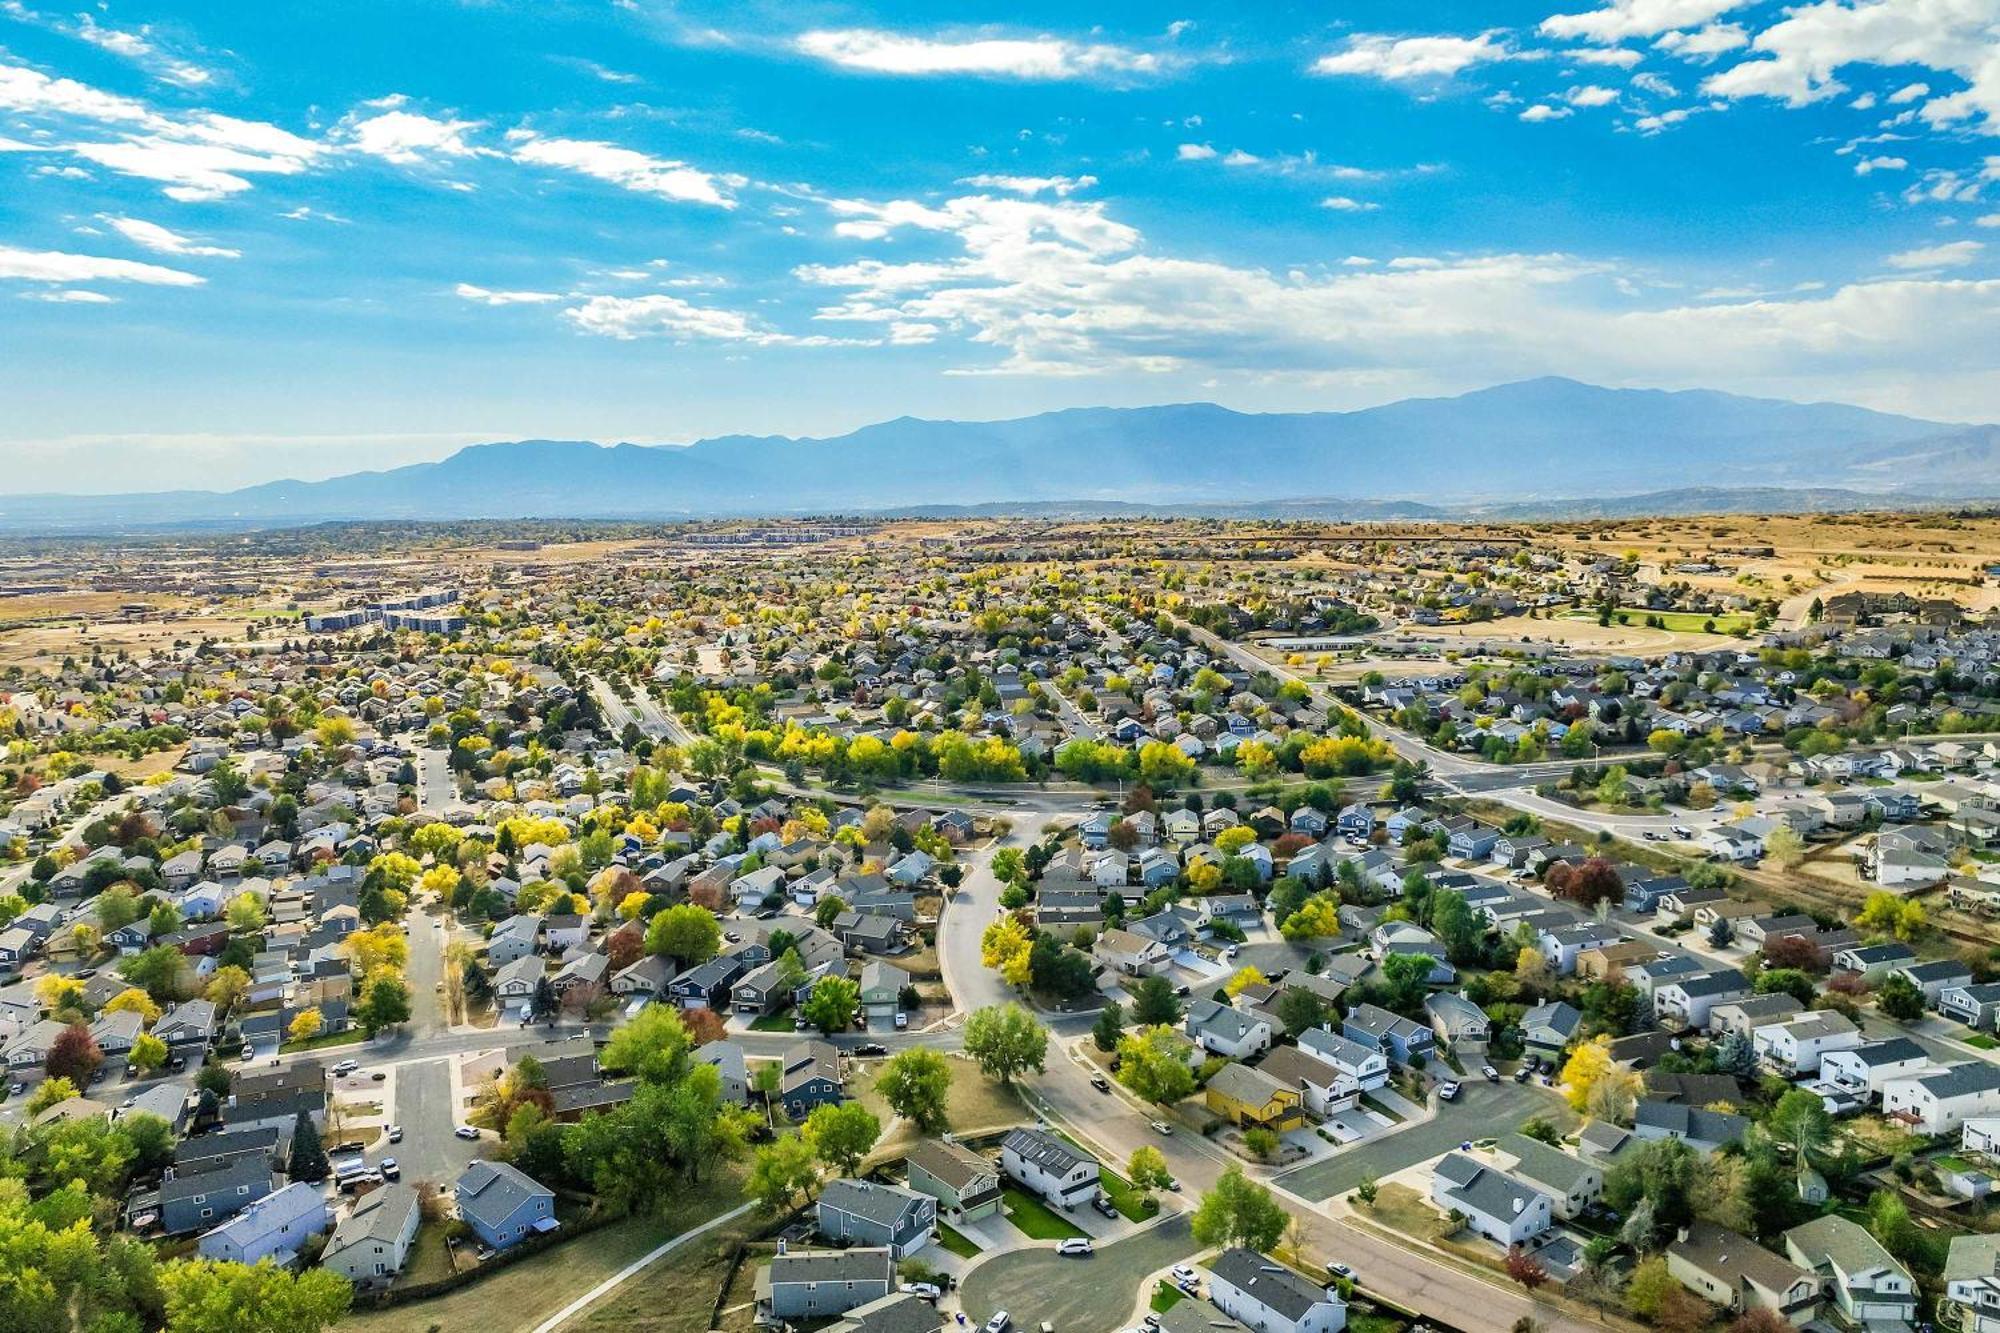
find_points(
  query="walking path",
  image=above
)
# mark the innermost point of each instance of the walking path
(639, 1265)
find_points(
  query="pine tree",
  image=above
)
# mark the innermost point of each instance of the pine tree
(308, 1159)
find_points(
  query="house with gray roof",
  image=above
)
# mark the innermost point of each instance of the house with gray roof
(965, 1184)
(1265, 1296)
(1740, 1275)
(898, 1312)
(1866, 1283)
(274, 1227)
(1941, 1101)
(198, 1202)
(502, 1204)
(1501, 1207)
(1062, 1173)
(1695, 1126)
(1972, 1282)
(1574, 1184)
(820, 1284)
(371, 1244)
(865, 1212)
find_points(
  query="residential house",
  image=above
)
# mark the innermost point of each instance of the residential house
(274, 1227)
(1972, 1282)
(1941, 1101)
(1869, 1288)
(1131, 954)
(1506, 1210)
(198, 1202)
(1254, 1098)
(1861, 1072)
(1456, 1020)
(1975, 1005)
(820, 1284)
(864, 1212)
(1740, 1275)
(1686, 1001)
(502, 1204)
(1392, 1034)
(965, 1184)
(811, 1077)
(1223, 1030)
(1549, 1028)
(1795, 1047)
(1696, 1126)
(1573, 1183)
(1267, 1297)
(370, 1245)
(1061, 1173)
(1324, 1088)
(1366, 1065)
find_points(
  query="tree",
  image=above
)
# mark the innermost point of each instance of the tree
(686, 933)
(73, 1055)
(210, 1296)
(1885, 911)
(1155, 1004)
(1317, 918)
(1900, 998)
(654, 1046)
(1787, 981)
(1239, 1212)
(1007, 1041)
(1300, 1010)
(1525, 1268)
(136, 1001)
(305, 1025)
(1784, 847)
(782, 1172)
(308, 1157)
(1800, 1120)
(1006, 947)
(832, 1005)
(148, 1052)
(158, 969)
(842, 1135)
(52, 1091)
(1110, 1024)
(1147, 1170)
(1647, 1291)
(917, 1085)
(385, 1002)
(1153, 1062)
(1244, 978)
(226, 986)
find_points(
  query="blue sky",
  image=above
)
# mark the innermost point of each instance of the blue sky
(240, 242)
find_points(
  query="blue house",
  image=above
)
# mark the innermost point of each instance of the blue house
(502, 1205)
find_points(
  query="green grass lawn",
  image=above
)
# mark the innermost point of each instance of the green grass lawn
(778, 1022)
(1982, 1042)
(351, 1037)
(1680, 622)
(957, 1242)
(1374, 1323)
(1130, 1203)
(1166, 1296)
(1036, 1219)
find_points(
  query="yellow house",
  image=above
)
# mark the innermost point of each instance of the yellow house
(1252, 1098)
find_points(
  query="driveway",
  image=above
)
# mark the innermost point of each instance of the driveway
(1482, 1110)
(1093, 1295)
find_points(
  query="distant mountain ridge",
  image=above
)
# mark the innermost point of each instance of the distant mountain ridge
(1521, 447)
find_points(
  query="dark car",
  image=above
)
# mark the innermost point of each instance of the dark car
(1101, 1083)
(871, 1048)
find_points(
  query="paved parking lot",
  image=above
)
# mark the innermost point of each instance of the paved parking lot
(1089, 1295)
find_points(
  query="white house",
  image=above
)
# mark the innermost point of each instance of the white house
(1972, 1282)
(1061, 1173)
(371, 1244)
(1796, 1046)
(1223, 1030)
(1941, 1101)
(1368, 1068)
(1267, 1297)
(1506, 1210)
(1867, 1284)
(1862, 1071)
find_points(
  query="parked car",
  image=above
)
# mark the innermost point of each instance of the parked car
(1162, 1127)
(1076, 1246)
(1104, 1206)
(928, 1290)
(1521, 1074)
(1342, 1270)
(344, 1068)
(248, 1052)
(1101, 1083)
(395, 1133)
(390, 1170)
(1448, 1091)
(1000, 1322)
(466, 1132)
(902, 1020)
(1492, 1074)
(1183, 1274)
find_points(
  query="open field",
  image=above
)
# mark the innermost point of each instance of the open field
(976, 1104)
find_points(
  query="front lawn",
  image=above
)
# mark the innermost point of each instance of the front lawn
(1036, 1219)
(1980, 1041)
(956, 1241)
(1166, 1296)
(1130, 1203)
(351, 1037)
(778, 1022)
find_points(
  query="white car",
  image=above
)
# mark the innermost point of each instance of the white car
(344, 1068)
(1162, 1127)
(1183, 1274)
(1076, 1245)
(466, 1132)
(1448, 1092)
(927, 1290)
(1000, 1322)
(390, 1169)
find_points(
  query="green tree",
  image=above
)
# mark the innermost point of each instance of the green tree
(832, 1005)
(917, 1085)
(1800, 1121)
(148, 1052)
(385, 1002)
(1110, 1025)
(654, 1046)
(208, 1296)
(1006, 1040)
(308, 1158)
(1147, 1170)
(1650, 1286)
(842, 1135)
(1153, 1062)
(1239, 1211)
(1899, 998)
(782, 1172)
(685, 933)
(160, 971)
(1155, 1004)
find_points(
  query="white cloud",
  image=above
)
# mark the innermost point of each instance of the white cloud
(1591, 95)
(1909, 92)
(1620, 19)
(1620, 57)
(1798, 59)
(1060, 186)
(486, 296)
(1648, 82)
(152, 236)
(1987, 220)
(57, 267)
(1341, 203)
(407, 138)
(69, 296)
(1869, 165)
(627, 167)
(1036, 58)
(1194, 152)
(141, 48)
(631, 317)
(1238, 158)
(1951, 254)
(1396, 58)
(1542, 111)
(1705, 44)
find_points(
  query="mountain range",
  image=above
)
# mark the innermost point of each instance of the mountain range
(1537, 448)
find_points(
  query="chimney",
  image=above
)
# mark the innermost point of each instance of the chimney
(781, 1245)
